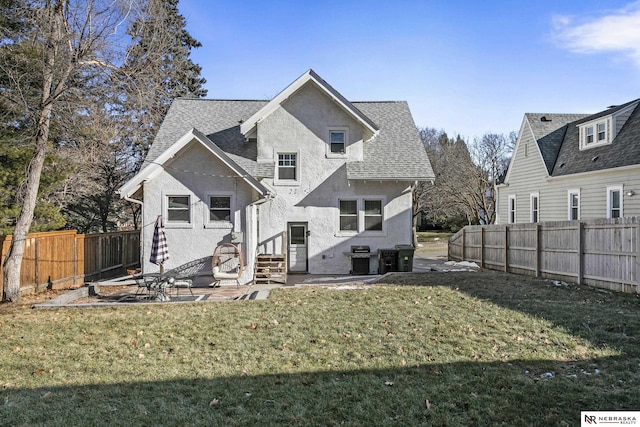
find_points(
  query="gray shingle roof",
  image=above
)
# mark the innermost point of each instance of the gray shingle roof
(549, 131)
(623, 151)
(395, 153)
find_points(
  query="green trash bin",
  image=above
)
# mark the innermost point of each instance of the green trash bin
(405, 257)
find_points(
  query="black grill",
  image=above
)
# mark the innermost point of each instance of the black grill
(360, 259)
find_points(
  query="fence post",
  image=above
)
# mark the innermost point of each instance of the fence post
(99, 255)
(637, 255)
(581, 253)
(537, 239)
(481, 247)
(506, 248)
(463, 243)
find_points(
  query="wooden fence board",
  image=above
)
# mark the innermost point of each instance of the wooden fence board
(603, 253)
(63, 259)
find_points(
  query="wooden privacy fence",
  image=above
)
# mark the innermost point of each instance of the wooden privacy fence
(63, 259)
(604, 253)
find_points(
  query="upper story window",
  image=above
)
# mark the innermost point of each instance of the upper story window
(337, 142)
(595, 133)
(287, 168)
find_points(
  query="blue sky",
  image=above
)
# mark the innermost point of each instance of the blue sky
(468, 67)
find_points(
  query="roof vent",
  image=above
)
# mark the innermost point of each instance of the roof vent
(612, 106)
(562, 164)
(594, 158)
(545, 119)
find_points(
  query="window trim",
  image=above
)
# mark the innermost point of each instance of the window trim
(330, 130)
(593, 126)
(534, 196)
(208, 222)
(178, 224)
(511, 209)
(276, 176)
(570, 206)
(610, 190)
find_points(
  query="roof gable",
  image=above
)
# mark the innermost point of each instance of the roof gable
(310, 77)
(154, 168)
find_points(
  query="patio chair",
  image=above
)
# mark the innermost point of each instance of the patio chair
(159, 285)
(227, 264)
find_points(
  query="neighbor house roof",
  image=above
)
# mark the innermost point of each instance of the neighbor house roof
(558, 138)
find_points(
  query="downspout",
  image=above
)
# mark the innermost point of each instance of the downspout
(139, 202)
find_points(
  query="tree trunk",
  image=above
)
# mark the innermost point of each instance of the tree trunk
(13, 261)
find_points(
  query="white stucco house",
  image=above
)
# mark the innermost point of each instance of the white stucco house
(305, 175)
(574, 167)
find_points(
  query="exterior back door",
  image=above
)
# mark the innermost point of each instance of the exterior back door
(298, 244)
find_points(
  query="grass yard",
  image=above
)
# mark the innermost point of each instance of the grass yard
(433, 242)
(460, 349)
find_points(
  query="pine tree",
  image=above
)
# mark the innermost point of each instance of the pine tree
(159, 68)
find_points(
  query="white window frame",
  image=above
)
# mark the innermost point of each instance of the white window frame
(534, 214)
(360, 203)
(357, 216)
(276, 176)
(208, 222)
(345, 131)
(364, 214)
(591, 129)
(610, 190)
(511, 209)
(178, 224)
(570, 207)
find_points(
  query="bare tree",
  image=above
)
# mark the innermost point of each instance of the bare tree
(69, 43)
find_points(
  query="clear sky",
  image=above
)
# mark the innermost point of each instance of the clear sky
(468, 67)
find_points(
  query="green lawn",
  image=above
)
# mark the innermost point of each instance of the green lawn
(459, 349)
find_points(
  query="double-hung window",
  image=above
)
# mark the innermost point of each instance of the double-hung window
(337, 141)
(535, 207)
(349, 215)
(573, 204)
(595, 133)
(614, 202)
(512, 209)
(179, 209)
(287, 167)
(219, 208)
(373, 215)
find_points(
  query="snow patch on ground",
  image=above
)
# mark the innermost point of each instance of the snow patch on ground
(467, 264)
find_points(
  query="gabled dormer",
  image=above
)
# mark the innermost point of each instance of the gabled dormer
(603, 128)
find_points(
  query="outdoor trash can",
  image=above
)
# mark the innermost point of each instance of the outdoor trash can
(387, 260)
(405, 257)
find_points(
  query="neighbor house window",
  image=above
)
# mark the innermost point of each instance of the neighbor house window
(596, 133)
(220, 208)
(179, 209)
(614, 202)
(535, 207)
(512, 209)
(373, 215)
(349, 215)
(574, 204)
(287, 167)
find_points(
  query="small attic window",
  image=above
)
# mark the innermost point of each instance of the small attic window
(595, 133)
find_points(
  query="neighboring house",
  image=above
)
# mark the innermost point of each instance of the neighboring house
(574, 166)
(307, 175)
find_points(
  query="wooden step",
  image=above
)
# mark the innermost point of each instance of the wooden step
(270, 269)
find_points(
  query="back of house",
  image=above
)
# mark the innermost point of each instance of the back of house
(307, 175)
